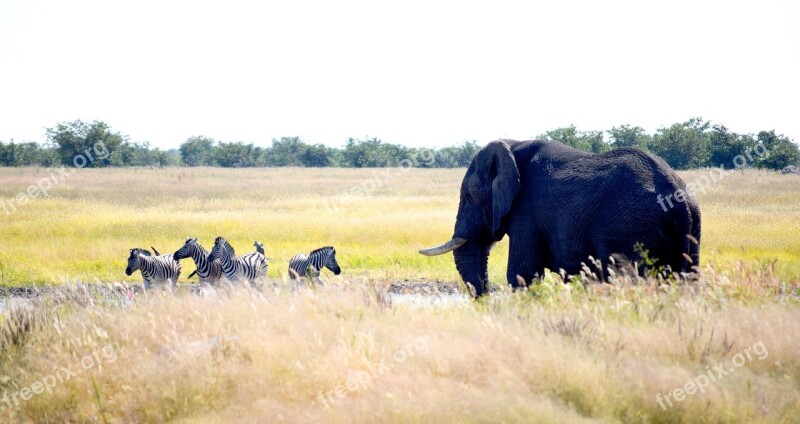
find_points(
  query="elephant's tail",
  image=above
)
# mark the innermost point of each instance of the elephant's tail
(677, 229)
(687, 229)
(694, 241)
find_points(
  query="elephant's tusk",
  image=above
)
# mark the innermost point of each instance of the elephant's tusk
(451, 245)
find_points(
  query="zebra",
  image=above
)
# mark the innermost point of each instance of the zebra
(155, 269)
(236, 268)
(209, 271)
(310, 265)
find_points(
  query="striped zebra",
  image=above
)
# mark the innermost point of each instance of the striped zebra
(155, 269)
(209, 271)
(247, 267)
(310, 265)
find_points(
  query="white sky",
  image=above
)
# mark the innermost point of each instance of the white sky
(416, 73)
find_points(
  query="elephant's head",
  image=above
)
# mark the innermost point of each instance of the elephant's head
(487, 193)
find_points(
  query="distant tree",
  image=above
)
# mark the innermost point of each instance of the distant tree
(162, 158)
(423, 157)
(724, 146)
(133, 154)
(237, 155)
(318, 156)
(457, 156)
(780, 151)
(197, 151)
(372, 153)
(94, 141)
(288, 151)
(26, 154)
(683, 145)
(292, 151)
(392, 155)
(628, 136)
(590, 141)
(141, 154)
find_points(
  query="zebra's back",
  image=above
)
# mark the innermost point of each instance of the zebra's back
(246, 267)
(162, 269)
(255, 265)
(298, 267)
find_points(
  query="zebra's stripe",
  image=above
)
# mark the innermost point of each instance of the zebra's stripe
(310, 265)
(235, 268)
(208, 271)
(155, 269)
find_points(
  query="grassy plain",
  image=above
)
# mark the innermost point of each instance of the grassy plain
(377, 219)
(555, 353)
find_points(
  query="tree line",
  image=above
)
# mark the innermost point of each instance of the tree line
(695, 143)
(691, 144)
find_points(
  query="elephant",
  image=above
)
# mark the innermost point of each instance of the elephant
(560, 205)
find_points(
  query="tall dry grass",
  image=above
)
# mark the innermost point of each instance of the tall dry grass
(554, 353)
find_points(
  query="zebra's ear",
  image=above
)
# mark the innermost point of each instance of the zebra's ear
(194, 240)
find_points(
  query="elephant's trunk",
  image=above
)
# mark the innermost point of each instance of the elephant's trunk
(472, 263)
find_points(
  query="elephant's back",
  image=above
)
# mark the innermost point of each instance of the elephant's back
(624, 169)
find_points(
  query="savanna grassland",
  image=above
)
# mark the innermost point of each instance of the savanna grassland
(352, 351)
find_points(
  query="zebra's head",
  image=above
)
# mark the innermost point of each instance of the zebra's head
(186, 250)
(330, 261)
(221, 249)
(134, 260)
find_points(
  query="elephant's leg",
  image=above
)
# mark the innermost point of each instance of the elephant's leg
(622, 254)
(604, 254)
(527, 257)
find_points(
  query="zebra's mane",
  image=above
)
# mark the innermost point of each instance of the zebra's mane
(144, 252)
(328, 248)
(201, 248)
(197, 245)
(225, 245)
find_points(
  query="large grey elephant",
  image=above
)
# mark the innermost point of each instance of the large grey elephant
(560, 205)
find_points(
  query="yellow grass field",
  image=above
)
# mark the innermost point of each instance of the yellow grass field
(376, 218)
(722, 348)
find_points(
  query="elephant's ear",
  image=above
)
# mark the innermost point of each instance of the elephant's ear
(496, 164)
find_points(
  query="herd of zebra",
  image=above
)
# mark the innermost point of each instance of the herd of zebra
(223, 263)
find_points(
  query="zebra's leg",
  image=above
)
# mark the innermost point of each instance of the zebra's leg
(317, 279)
